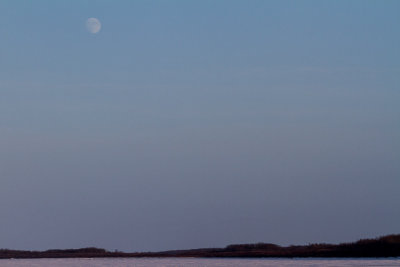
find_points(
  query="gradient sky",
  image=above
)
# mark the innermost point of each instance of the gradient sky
(186, 124)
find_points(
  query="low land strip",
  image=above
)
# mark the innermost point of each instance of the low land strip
(386, 246)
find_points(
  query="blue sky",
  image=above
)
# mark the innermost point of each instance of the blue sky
(186, 124)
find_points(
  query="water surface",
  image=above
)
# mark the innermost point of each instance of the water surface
(195, 262)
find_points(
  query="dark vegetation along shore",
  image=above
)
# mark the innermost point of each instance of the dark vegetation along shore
(386, 246)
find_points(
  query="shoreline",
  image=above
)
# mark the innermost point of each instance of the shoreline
(382, 247)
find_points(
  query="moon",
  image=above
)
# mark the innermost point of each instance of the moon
(93, 25)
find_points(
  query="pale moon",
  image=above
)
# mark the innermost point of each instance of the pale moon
(93, 25)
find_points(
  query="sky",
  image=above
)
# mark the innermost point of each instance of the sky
(189, 124)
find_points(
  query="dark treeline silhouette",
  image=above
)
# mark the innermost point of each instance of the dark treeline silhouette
(386, 246)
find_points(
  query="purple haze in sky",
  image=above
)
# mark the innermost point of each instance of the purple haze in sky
(186, 124)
